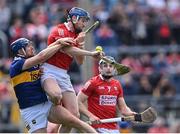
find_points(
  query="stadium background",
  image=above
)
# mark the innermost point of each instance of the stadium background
(144, 34)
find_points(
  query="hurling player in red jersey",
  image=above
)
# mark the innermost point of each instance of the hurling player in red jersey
(103, 93)
(55, 69)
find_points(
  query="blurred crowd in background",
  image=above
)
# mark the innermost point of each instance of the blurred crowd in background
(144, 34)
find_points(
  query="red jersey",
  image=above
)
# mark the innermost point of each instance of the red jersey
(60, 59)
(102, 99)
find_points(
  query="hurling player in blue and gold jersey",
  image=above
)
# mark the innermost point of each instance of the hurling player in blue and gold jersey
(34, 106)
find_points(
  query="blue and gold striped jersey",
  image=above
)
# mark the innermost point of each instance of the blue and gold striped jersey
(27, 85)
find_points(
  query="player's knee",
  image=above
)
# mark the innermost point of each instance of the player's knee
(76, 113)
(58, 95)
(56, 98)
(52, 128)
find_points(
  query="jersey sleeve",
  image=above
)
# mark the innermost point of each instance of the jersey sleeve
(88, 88)
(53, 36)
(120, 89)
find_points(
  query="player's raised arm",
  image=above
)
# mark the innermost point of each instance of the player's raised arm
(80, 40)
(24, 48)
(74, 51)
(47, 53)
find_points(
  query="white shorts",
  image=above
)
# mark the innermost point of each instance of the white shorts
(36, 117)
(105, 130)
(59, 74)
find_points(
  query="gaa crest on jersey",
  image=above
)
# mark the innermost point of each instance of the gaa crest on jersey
(115, 88)
(33, 121)
(60, 32)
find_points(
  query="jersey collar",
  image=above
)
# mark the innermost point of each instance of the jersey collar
(67, 26)
(101, 77)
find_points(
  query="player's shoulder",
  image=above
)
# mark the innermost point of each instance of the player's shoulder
(115, 81)
(95, 78)
(92, 80)
(59, 30)
(16, 65)
(59, 26)
(17, 59)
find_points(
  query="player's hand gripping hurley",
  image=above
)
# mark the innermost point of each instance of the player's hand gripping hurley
(121, 69)
(148, 116)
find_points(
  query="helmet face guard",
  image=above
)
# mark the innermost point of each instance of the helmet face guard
(103, 73)
(19, 44)
(79, 12)
(108, 57)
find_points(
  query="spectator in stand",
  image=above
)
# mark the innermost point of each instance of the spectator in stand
(159, 126)
(141, 29)
(16, 30)
(175, 127)
(160, 63)
(145, 86)
(130, 85)
(36, 29)
(100, 13)
(164, 33)
(107, 38)
(164, 88)
(4, 93)
(175, 80)
(133, 62)
(5, 15)
(146, 64)
(174, 62)
(125, 127)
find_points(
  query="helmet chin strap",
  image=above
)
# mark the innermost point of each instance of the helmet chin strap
(77, 31)
(107, 77)
(22, 55)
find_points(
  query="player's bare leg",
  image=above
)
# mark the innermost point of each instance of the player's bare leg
(41, 130)
(60, 115)
(52, 128)
(69, 101)
(53, 90)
